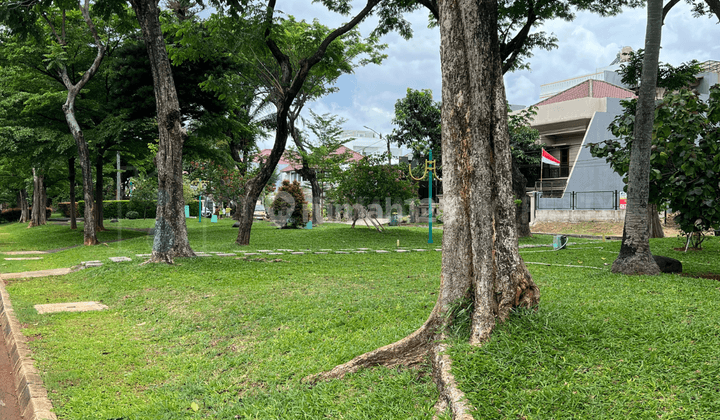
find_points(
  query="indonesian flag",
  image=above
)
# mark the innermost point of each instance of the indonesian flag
(548, 159)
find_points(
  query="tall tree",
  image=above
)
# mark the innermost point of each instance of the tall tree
(480, 263)
(635, 256)
(288, 81)
(171, 238)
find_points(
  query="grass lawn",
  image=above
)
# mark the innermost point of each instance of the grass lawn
(230, 338)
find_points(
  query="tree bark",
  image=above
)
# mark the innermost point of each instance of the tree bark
(24, 208)
(171, 239)
(73, 204)
(481, 263)
(656, 230)
(38, 216)
(99, 225)
(635, 256)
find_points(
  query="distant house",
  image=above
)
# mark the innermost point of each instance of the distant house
(288, 168)
(584, 187)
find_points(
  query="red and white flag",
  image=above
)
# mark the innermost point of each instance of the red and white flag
(548, 159)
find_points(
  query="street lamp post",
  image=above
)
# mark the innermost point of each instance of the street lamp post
(388, 143)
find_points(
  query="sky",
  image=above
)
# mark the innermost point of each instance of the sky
(367, 97)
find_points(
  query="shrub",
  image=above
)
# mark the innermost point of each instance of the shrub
(132, 214)
(290, 196)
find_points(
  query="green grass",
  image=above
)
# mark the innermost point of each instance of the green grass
(237, 336)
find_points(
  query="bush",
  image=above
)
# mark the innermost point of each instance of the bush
(132, 215)
(290, 195)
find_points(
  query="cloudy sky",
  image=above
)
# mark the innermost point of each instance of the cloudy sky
(367, 97)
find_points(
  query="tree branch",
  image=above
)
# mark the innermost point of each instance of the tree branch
(667, 8)
(510, 51)
(60, 40)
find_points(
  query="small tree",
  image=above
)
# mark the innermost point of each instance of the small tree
(371, 181)
(145, 191)
(291, 197)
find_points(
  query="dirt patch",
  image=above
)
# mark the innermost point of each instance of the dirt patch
(711, 276)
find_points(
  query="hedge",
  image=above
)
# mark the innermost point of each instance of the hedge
(13, 214)
(119, 208)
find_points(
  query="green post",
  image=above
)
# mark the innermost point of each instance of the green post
(430, 203)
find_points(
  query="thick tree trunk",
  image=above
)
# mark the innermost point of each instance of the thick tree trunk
(244, 215)
(99, 225)
(522, 222)
(24, 207)
(73, 204)
(171, 239)
(656, 230)
(480, 262)
(635, 256)
(38, 216)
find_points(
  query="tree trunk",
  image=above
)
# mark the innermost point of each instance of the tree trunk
(635, 256)
(99, 226)
(656, 230)
(24, 208)
(522, 222)
(38, 216)
(309, 174)
(171, 239)
(73, 204)
(90, 237)
(481, 264)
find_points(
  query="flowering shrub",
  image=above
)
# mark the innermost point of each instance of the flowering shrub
(291, 196)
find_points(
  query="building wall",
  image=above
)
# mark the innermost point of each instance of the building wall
(590, 173)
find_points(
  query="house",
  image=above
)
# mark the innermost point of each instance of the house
(583, 187)
(288, 167)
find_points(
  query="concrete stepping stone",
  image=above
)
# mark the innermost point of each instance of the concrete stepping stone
(50, 308)
(275, 253)
(226, 254)
(204, 255)
(341, 252)
(361, 252)
(143, 255)
(326, 250)
(382, 251)
(120, 259)
(420, 250)
(402, 250)
(40, 273)
(92, 263)
(247, 254)
(23, 258)
(320, 252)
(298, 253)
(25, 252)
(438, 249)
(285, 250)
(363, 249)
(265, 250)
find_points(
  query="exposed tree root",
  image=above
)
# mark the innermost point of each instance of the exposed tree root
(427, 342)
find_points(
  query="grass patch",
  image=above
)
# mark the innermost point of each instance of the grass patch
(233, 338)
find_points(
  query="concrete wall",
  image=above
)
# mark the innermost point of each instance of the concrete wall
(575, 216)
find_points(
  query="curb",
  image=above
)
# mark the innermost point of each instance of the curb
(31, 393)
(575, 235)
